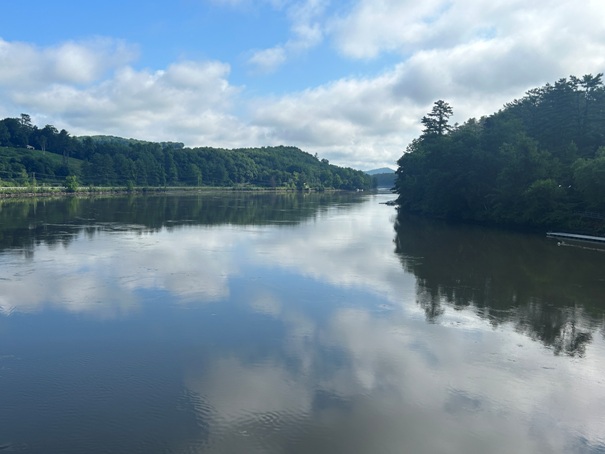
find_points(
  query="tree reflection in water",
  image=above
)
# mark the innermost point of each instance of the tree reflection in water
(29, 222)
(552, 294)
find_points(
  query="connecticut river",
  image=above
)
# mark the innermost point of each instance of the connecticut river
(292, 323)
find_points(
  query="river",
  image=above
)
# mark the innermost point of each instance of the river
(291, 323)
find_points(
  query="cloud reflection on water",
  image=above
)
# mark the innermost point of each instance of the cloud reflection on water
(401, 384)
(350, 364)
(105, 276)
(195, 263)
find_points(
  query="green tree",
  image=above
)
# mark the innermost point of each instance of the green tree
(589, 180)
(196, 174)
(103, 169)
(4, 135)
(17, 132)
(436, 122)
(71, 183)
(544, 202)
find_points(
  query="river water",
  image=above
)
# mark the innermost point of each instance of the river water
(294, 323)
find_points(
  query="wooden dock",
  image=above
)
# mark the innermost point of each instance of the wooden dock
(576, 237)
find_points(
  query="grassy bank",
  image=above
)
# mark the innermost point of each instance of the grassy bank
(52, 191)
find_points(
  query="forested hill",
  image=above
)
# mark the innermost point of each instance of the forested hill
(46, 155)
(538, 162)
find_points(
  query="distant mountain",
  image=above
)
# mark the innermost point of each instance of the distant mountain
(381, 170)
(383, 177)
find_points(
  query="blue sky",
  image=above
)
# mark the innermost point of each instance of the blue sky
(348, 80)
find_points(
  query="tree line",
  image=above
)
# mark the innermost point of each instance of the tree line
(537, 162)
(113, 161)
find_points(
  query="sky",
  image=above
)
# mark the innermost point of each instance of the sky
(348, 80)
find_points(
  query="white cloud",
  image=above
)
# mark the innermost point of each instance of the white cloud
(375, 26)
(27, 66)
(268, 60)
(361, 117)
(306, 18)
(475, 55)
(188, 101)
(306, 29)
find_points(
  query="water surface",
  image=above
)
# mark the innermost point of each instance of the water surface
(228, 323)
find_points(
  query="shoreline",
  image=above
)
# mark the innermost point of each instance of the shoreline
(23, 192)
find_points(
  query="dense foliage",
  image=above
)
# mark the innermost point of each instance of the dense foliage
(383, 180)
(538, 162)
(49, 156)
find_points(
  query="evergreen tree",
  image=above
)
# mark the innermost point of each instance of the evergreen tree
(537, 162)
(436, 122)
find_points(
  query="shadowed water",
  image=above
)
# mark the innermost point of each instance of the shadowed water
(292, 323)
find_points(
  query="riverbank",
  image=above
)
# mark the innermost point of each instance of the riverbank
(56, 191)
